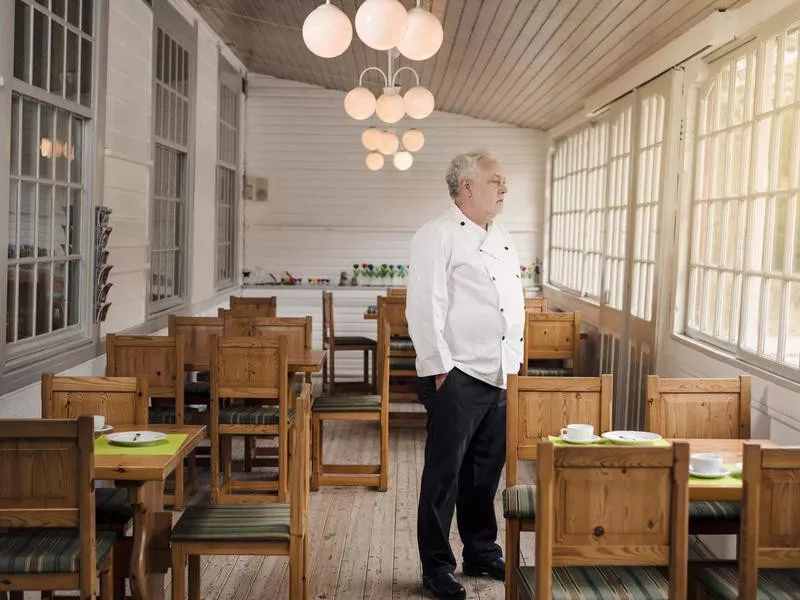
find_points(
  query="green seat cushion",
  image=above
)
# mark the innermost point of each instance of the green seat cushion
(267, 522)
(403, 363)
(596, 583)
(241, 414)
(773, 584)
(519, 502)
(549, 372)
(165, 415)
(347, 403)
(353, 340)
(197, 388)
(715, 511)
(47, 550)
(112, 506)
(401, 344)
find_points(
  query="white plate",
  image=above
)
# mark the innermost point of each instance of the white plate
(723, 472)
(594, 439)
(631, 437)
(136, 438)
(104, 429)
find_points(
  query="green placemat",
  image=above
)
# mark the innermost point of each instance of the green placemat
(167, 447)
(557, 441)
(734, 479)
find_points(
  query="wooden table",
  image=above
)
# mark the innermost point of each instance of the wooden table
(309, 361)
(144, 477)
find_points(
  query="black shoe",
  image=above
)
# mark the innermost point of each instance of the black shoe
(444, 586)
(495, 569)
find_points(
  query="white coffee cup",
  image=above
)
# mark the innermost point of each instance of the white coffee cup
(99, 421)
(706, 463)
(578, 432)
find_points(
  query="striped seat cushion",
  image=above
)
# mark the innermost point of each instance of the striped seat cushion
(240, 414)
(774, 584)
(197, 388)
(519, 502)
(708, 510)
(401, 344)
(48, 550)
(112, 506)
(403, 363)
(165, 415)
(347, 403)
(268, 522)
(353, 340)
(549, 372)
(596, 583)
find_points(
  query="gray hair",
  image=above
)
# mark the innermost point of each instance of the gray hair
(465, 166)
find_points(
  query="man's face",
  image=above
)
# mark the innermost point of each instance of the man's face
(487, 192)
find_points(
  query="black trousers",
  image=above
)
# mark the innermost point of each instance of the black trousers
(464, 456)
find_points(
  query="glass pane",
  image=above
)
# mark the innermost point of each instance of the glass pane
(792, 348)
(756, 233)
(796, 253)
(30, 118)
(58, 7)
(786, 135)
(695, 298)
(76, 151)
(160, 56)
(11, 305)
(27, 214)
(45, 220)
(710, 316)
(726, 298)
(13, 209)
(723, 99)
(73, 307)
(43, 299)
(74, 12)
(770, 69)
(789, 78)
(41, 51)
(46, 131)
(780, 217)
(72, 66)
(739, 89)
(75, 222)
(15, 102)
(763, 149)
(717, 221)
(60, 147)
(732, 238)
(87, 20)
(61, 220)
(56, 58)
(739, 152)
(59, 295)
(25, 302)
(86, 72)
(752, 309)
(22, 41)
(773, 319)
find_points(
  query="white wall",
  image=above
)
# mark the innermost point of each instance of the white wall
(327, 211)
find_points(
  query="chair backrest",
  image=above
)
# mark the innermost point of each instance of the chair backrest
(196, 333)
(553, 335)
(770, 524)
(265, 307)
(297, 330)
(327, 320)
(392, 310)
(122, 400)
(396, 291)
(250, 367)
(299, 468)
(699, 408)
(537, 304)
(538, 407)
(601, 505)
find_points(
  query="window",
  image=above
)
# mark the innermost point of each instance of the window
(49, 200)
(171, 178)
(744, 271)
(227, 175)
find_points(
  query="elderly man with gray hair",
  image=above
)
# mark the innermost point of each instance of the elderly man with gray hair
(466, 314)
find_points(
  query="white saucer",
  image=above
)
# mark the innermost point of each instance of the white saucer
(737, 470)
(104, 429)
(136, 438)
(631, 437)
(593, 440)
(723, 472)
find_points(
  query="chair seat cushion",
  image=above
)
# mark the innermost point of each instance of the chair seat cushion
(48, 550)
(347, 403)
(402, 363)
(549, 372)
(197, 388)
(775, 584)
(401, 344)
(267, 522)
(353, 340)
(596, 583)
(241, 414)
(519, 502)
(165, 415)
(112, 506)
(714, 511)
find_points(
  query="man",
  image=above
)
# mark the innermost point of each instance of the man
(466, 314)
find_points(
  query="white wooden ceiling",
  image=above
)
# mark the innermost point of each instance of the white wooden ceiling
(525, 62)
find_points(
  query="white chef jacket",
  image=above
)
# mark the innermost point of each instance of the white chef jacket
(465, 306)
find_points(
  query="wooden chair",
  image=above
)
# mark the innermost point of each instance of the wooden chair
(608, 515)
(196, 333)
(333, 343)
(551, 339)
(708, 409)
(255, 369)
(351, 407)
(537, 407)
(47, 509)
(400, 358)
(265, 307)
(397, 291)
(769, 563)
(537, 304)
(161, 360)
(297, 330)
(274, 529)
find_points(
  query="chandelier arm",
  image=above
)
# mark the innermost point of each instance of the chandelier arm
(396, 73)
(378, 69)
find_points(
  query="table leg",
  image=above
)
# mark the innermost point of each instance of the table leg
(151, 528)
